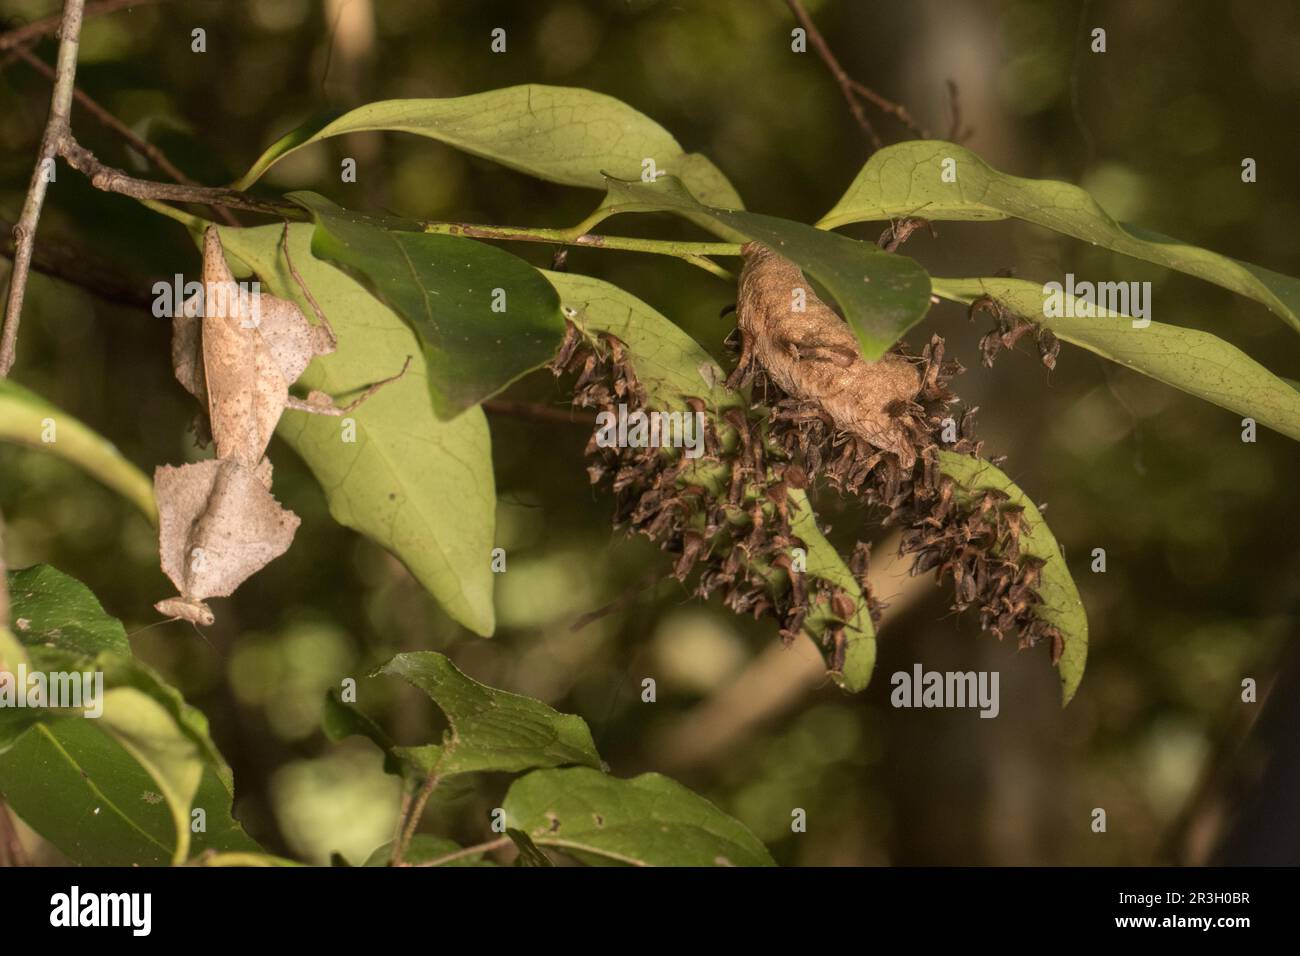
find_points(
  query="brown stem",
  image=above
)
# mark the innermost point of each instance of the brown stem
(140, 145)
(115, 181)
(647, 581)
(897, 110)
(416, 811)
(40, 28)
(841, 77)
(851, 88)
(56, 129)
(487, 847)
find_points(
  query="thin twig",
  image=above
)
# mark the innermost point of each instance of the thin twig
(487, 847)
(40, 28)
(113, 180)
(851, 88)
(646, 581)
(897, 110)
(841, 77)
(56, 129)
(400, 827)
(413, 818)
(136, 142)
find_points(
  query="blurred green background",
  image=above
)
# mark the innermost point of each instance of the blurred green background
(1202, 572)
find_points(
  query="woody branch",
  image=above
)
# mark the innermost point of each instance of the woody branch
(56, 128)
(57, 141)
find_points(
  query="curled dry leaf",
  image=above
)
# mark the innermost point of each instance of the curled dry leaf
(806, 349)
(237, 351)
(220, 526)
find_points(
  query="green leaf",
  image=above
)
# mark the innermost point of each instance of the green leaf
(23, 417)
(490, 730)
(1062, 606)
(53, 609)
(12, 653)
(905, 180)
(420, 487)
(81, 791)
(117, 789)
(425, 848)
(529, 854)
(59, 619)
(146, 731)
(825, 562)
(881, 294)
(560, 134)
(451, 291)
(669, 363)
(1195, 362)
(649, 820)
(673, 367)
(340, 720)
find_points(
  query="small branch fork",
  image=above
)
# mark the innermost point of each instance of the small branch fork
(57, 141)
(856, 92)
(146, 149)
(409, 819)
(114, 180)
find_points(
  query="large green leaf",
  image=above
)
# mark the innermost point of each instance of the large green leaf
(78, 788)
(881, 294)
(54, 610)
(145, 730)
(906, 180)
(1195, 362)
(23, 416)
(490, 730)
(556, 133)
(1061, 605)
(57, 616)
(420, 487)
(649, 820)
(483, 316)
(117, 789)
(673, 367)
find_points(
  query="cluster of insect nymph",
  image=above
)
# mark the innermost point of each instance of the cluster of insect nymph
(808, 410)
